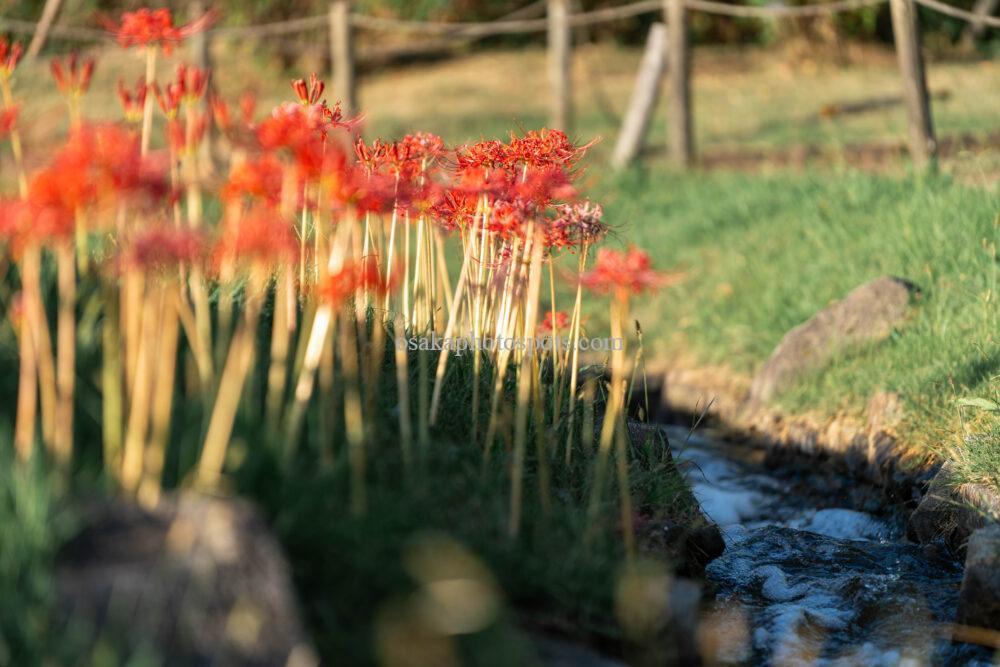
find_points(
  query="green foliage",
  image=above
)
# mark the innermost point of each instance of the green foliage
(27, 542)
(764, 253)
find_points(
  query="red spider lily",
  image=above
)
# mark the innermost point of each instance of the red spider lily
(456, 209)
(561, 322)
(577, 224)
(15, 222)
(623, 273)
(370, 157)
(308, 94)
(248, 106)
(8, 120)
(291, 126)
(260, 236)
(260, 178)
(191, 82)
(544, 148)
(154, 28)
(73, 78)
(423, 199)
(510, 218)
(335, 118)
(224, 117)
(483, 180)
(353, 187)
(542, 186)
(10, 54)
(485, 154)
(424, 147)
(133, 102)
(161, 247)
(399, 160)
(353, 277)
(179, 136)
(53, 199)
(98, 162)
(169, 99)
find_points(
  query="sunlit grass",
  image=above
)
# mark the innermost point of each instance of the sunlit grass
(763, 253)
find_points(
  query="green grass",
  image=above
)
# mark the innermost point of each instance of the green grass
(763, 253)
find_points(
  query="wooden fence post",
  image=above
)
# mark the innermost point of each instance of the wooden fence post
(648, 82)
(342, 55)
(923, 146)
(560, 65)
(679, 136)
(49, 12)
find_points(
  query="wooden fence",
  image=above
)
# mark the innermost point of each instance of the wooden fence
(667, 52)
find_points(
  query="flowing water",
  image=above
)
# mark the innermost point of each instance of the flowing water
(816, 570)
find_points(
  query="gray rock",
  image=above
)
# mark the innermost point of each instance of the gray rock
(866, 315)
(951, 511)
(199, 580)
(979, 600)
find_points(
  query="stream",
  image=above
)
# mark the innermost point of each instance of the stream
(816, 569)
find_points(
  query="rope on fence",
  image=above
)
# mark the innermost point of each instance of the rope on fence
(779, 11)
(67, 32)
(954, 12)
(510, 25)
(272, 29)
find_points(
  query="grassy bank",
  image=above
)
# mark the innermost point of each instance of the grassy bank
(763, 253)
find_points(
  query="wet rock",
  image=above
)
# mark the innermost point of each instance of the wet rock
(868, 314)
(198, 579)
(979, 599)
(952, 511)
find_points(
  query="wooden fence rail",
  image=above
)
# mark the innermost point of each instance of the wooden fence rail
(341, 23)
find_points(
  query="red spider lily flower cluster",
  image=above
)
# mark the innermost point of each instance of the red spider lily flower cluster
(8, 120)
(154, 28)
(577, 224)
(10, 55)
(353, 277)
(560, 323)
(259, 237)
(98, 163)
(628, 272)
(72, 77)
(259, 179)
(351, 231)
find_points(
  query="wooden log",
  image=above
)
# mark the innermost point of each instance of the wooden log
(645, 95)
(49, 13)
(560, 65)
(923, 146)
(976, 29)
(342, 55)
(681, 142)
